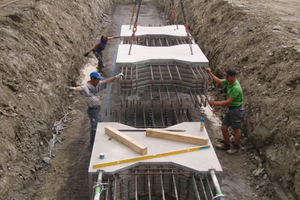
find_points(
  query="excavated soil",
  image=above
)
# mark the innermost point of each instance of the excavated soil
(42, 47)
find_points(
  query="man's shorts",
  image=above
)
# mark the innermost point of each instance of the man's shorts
(233, 117)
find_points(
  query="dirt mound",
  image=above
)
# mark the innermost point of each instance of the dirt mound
(264, 49)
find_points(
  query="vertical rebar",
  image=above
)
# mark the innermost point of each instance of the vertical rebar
(162, 185)
(131, 75)
(189, 115)
(210, 190)
(136, 185)
(192, 97)
(134, 117)
(180, 112)
(175, 188)
(178, 74)
(115, 191)
(151, 96)
(160, 98)
(166, 119)
(196, 78)
(162, 117)
(196, 188)
(167, 42)
(125, 77)
(108, 189)
(149, 186)
(203, 188)
(152, 78)
(171, 78)
(178, 98)
(136, 76)
(170, 100)
(161, 76)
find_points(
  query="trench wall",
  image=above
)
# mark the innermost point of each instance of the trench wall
(42, 47)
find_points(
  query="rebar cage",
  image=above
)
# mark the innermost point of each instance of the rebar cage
(157, 182)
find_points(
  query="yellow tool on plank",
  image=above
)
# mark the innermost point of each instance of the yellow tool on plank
(150, 156)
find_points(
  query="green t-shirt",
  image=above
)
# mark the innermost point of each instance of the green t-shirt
(234, 91)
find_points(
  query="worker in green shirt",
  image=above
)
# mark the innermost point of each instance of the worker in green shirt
(235, 112)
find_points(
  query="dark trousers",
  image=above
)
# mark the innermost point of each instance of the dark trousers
(99, 56)
(95, 117)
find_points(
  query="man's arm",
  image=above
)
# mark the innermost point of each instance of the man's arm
(221, 103)
(93, 47)
(111, 79)
(215, 79)
(77, 89)
(113, 37)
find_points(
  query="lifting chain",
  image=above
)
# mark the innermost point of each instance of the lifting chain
(174, 13)
(133, 11)
(134, 29)
(186, 25)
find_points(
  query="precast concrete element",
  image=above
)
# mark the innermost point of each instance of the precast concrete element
(144, 31)
(195, 162)
(178, 53)
(161, 62)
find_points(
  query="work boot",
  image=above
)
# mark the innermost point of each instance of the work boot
(233, 150)
(223, 146)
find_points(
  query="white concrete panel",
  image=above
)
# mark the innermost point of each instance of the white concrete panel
(200, 160)
(170, 30)
(142, 54)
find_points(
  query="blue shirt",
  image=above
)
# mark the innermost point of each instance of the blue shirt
(101, 47)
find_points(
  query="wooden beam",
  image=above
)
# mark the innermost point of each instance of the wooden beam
(126, 140)
(179, 137)
(116, 162)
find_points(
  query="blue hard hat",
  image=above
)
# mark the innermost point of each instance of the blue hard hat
(96, 75)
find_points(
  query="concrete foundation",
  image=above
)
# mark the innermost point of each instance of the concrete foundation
(199, 161)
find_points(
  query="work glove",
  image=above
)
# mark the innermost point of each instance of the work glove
(72, 88)
(119, 75)
(86, 54)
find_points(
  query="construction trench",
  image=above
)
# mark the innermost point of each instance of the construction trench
(42, 47)
(163, 62)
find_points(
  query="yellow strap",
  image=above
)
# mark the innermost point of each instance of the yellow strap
(149, 156)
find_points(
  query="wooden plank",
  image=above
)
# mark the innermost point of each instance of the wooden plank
(116, 162)
(179, 137)
(126, 140)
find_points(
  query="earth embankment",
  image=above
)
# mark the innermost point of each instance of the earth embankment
(261, 41)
